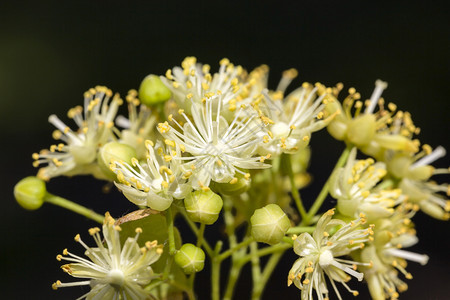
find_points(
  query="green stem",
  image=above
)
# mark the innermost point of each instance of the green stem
(230, 251)
(325, 189)
(301, 229)
(215, 272)
(294, 190)
(256, 269)
(200, 234)
(194, 229)
(258, 288)
(232, 279)
(169, 220)
(266, 251)
(79, 209)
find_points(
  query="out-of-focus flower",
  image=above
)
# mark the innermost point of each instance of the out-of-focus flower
(78, 151)
(353, 187)
(372, 132)
(388, 257)
(139, 126)
(414, 173)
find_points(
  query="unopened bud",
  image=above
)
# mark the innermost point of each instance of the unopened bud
(236, 186)
(190, 258)
(269, 224)
(153, 91)
(203, 206)
(114, 151)
(30, 192)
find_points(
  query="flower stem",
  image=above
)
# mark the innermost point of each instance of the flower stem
(281, 247)
(325, 189)
(169, 220)
(258, 287)
(200, 234)
(294, 190)
(194, 228)
(301, 229)
(79, 209)
(256, 269)
(215, 272)
(230, 251)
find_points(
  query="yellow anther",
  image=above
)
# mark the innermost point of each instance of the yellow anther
(309, 269)
(169, 74)
(77, 238)
(93, 231)
(189, 84)
(138, 230)
(233, 181)
(169, 142)
(175, 84)
(224, 61)
(56, 285)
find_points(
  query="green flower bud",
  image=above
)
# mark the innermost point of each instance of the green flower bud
(236, 186)
(153, 91)
(114, 151)
(190, 258)
(269, 224)
(203, 206)
(30, 192)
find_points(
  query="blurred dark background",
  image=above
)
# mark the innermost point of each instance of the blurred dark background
(52, 51)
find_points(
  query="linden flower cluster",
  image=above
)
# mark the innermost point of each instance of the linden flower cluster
(203, 146)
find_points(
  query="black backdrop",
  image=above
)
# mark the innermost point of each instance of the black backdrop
(52, 51)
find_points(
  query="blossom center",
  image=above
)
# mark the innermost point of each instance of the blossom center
(280, 129)
(326, 258)
(116, 278)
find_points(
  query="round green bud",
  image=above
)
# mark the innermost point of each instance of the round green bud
(153, 91)
(269, 224)
(203, 206)
(190, 258)
(114, 151)
(236, 186)
(30, 192)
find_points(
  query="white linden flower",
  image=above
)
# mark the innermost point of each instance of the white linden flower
(293, 118)
(193, 82)
(113, 271)
(79, 148)
(216, 149)
(318, 256)
(372, 131)
(139, 126)
(353, 187)
(427, 194)
(154, 183)
(387, 255)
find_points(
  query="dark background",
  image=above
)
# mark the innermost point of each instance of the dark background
(52, 51)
